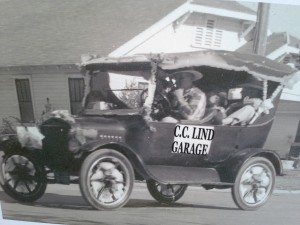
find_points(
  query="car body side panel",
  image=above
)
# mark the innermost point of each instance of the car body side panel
(159, 150)
(183, 175)
(224, 142)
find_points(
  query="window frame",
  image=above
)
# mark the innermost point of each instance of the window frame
(69, 79)
(25, 77)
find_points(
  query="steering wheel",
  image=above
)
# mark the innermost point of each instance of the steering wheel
(161, 106)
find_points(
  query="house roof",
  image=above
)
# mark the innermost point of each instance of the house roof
(228, 5)
(49, 32)
(36, 32)
(274, 41)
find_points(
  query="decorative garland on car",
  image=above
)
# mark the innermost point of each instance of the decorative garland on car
(151, 90)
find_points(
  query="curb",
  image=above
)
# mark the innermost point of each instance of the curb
(141, 185)
(287, 165)
(277, 191)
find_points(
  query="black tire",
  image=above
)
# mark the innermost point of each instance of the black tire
(254, 183)
(22, 177)
(166, 193)
(112, 178)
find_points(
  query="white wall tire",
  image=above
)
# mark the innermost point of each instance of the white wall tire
(254, 183)
(106, 179)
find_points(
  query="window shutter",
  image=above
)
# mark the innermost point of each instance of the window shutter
(208, 36)
(198, 36)
(218, 38)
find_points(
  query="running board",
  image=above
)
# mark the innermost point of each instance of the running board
(183, 175)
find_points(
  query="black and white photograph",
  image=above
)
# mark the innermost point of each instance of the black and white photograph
(149, 112)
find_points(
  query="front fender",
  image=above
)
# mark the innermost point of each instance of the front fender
(9, 142)
(229, 168)
(136, 161)
(11, 145)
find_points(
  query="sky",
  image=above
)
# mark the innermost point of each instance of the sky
(283, 17)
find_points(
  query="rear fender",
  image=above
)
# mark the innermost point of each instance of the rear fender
(228, 170)
(136, 161)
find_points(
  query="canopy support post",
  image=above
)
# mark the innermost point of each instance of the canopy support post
(265, 89)
(151, 90)
(87, 79)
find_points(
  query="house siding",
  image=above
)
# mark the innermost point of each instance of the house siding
(180, 39)
(52, 86)
(232, 28)
(45, 82)
(284, 127)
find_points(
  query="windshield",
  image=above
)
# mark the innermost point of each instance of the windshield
(114, 92)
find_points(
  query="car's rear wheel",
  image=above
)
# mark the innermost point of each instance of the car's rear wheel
(254, 183)
(22, 177)
(166, 193)
(106, 179)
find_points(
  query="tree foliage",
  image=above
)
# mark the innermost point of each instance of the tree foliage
(130, 96)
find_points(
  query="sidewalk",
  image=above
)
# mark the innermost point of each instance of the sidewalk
(289, 181)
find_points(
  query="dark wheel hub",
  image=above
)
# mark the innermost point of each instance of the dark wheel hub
(165, 193)
(22, 177)
(21, 174)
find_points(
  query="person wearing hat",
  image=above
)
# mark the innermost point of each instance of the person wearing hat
(191, 101)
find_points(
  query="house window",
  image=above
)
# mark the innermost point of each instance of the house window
(25, 100)
(76, 90)
(208, 36)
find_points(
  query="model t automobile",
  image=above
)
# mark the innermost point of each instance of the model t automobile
(110, 144)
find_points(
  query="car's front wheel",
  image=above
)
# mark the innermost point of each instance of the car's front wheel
(22, 177)
(106, 179)
(254, 183)
(166, 193)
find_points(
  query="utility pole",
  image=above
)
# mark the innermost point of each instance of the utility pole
(261, 30)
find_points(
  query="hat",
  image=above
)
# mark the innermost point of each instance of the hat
(195, 74)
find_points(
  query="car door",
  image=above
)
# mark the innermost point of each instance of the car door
(167, 162)
(178, 144)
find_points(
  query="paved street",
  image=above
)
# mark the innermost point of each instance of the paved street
(63, 204)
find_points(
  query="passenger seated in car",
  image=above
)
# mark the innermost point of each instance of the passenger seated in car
(214, 107)
(244, 114)
(191, 101)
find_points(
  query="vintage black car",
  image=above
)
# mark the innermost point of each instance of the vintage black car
(110, 145)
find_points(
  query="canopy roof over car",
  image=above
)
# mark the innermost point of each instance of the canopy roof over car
(258, 66)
